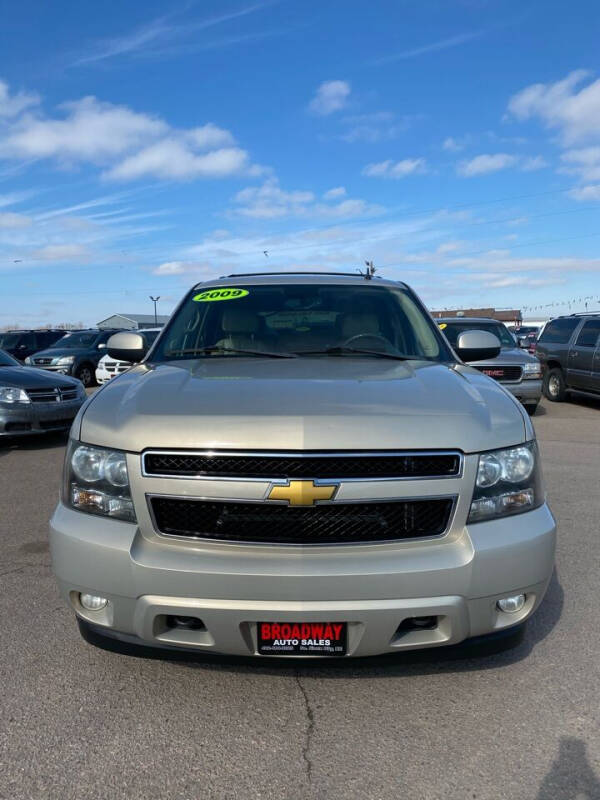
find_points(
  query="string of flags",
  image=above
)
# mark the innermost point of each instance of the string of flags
(572, 301)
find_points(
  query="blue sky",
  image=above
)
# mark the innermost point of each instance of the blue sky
(146, 146)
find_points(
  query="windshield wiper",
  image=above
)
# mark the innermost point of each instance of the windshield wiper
(215, 348)
(340, 350)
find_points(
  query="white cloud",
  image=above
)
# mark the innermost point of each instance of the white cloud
(532, 163)
(171, 158)
(182, 268)
(379, 126)
(161, 36)
(13, 105)
(480, 165)
(586, 193)
(333, 194)
(574, 112)
(128, 144)
(432, 47)
(584, 162)
(331, 96)
(449, 247)
(270, 201)
(90, 131)
(11, 220)
(61, 252)
(397, 169)
(333, 247)
(452, 145)
(503, 262)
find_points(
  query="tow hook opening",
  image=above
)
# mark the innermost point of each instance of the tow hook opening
(411, 624)
(187, 623)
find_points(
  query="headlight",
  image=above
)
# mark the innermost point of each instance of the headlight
(508, 482)
(65, 360)
(10, 394)
(96, 481)
(28, 360)
(531, 371)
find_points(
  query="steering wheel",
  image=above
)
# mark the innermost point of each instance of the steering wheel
(352, 339)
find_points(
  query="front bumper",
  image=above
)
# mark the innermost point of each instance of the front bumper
(457, 579)
(528, 392)
(60, 369)
(22, 419)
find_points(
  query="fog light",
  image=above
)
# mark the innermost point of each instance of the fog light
(92, 602)
(511, 605)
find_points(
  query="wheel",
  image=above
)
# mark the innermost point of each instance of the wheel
(85, 374)
(554, 385)
(530, 408)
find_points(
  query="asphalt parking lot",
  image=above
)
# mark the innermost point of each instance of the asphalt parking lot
(79, 722)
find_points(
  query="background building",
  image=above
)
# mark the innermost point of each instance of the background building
(133, 321)
(504, 314)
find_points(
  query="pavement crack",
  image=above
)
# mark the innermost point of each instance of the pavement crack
(310, 729)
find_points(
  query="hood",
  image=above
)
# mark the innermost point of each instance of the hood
(303, 404)
(32, 378)
(510, 355)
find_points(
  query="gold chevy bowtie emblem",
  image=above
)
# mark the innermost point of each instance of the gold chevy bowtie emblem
(302, 493)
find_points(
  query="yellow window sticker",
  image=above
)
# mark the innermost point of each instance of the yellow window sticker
(212, 295)
(442, 325)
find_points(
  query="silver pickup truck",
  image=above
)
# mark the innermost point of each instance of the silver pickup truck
(302, 466)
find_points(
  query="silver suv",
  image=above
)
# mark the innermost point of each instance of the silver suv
(514, 367)
(302, 466)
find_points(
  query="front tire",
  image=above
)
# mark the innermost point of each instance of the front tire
(86, 375)
(555, 388)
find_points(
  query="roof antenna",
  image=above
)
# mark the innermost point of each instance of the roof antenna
(370, 270)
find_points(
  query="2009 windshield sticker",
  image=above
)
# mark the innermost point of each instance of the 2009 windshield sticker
(213, 295)
(442, 325)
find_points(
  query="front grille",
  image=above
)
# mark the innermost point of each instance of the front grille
(296, 465)
(510, 374)
(42, 360)
(336, 523)
(51, 395)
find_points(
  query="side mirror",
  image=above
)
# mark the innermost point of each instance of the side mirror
(477, 345)
(127, 347)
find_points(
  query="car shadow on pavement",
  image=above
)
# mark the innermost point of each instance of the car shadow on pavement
(467, 656)
(45, 441)
(571, 776)
(584, 401)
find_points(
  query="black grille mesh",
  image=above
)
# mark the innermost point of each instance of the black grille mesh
(321, 524)
(500, 372)
(341, 465)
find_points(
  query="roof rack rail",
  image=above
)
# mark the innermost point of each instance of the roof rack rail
(584, 313)
(291, 272)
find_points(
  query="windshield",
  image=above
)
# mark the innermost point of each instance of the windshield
(9, 340)
(452, 330)
(81, 339)
(300, 319)
(8, 361)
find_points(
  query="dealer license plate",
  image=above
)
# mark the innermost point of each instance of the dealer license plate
(302, 638)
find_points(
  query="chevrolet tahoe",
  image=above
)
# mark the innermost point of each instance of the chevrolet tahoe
(302, 466)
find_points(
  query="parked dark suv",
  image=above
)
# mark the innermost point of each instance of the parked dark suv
(20, 344)
(75, 354)
(569, 350)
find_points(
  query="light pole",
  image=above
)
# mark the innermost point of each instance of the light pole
(155, 301)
